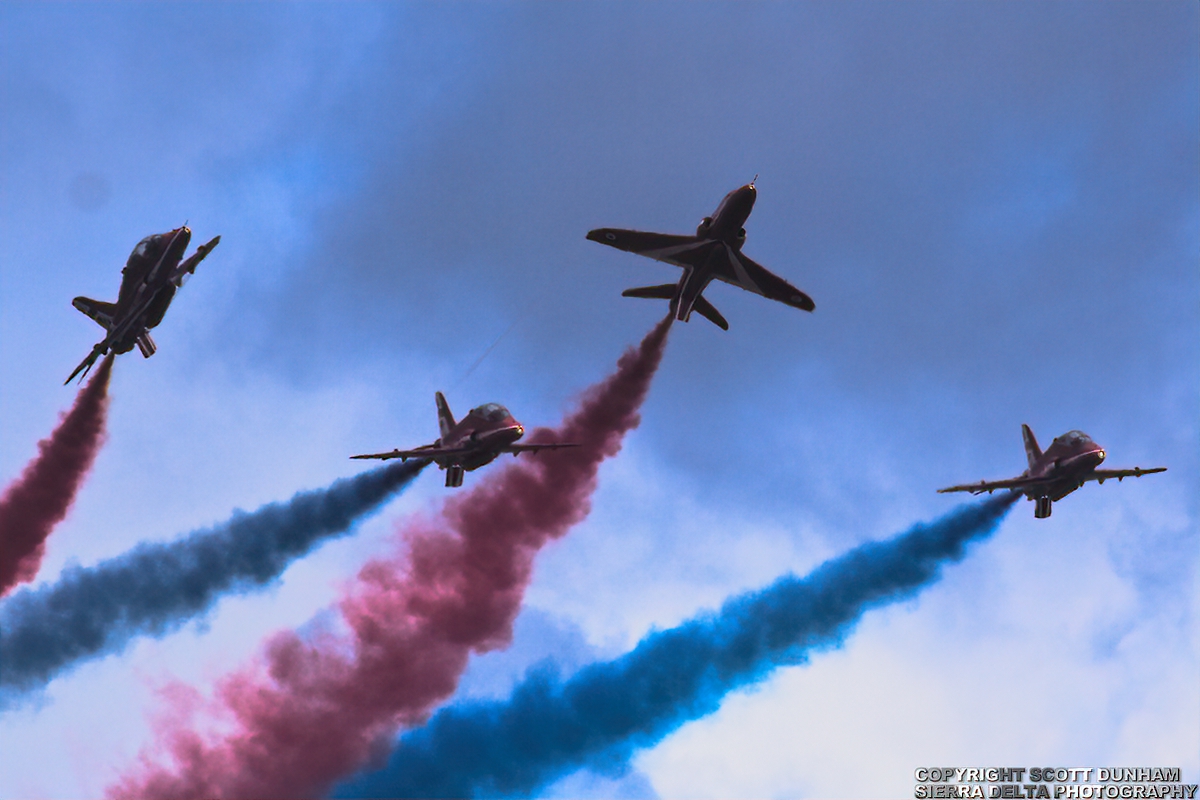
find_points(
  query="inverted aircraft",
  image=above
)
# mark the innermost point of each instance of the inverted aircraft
(714, 252)
(154, 271)
(1070, 461)
(482, 435)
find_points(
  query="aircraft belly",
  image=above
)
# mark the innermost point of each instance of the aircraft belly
(159, 305)
(477, 460)
(1060, 490)
(693, 284)
(123, 345)
(1054, 489)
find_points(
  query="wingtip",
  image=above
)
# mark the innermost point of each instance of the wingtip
(606, 236)
(802, 301)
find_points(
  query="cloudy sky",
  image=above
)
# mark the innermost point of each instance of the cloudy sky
(995, 206)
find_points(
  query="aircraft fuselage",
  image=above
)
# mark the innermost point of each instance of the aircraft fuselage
(146, 285)
(726, 223)
(484, 432)
(1065, 466)
(1070, 461)
(726, 227)
(153, 273)
(713, 253)
(482, 435)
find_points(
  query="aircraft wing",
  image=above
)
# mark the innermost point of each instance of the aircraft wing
(425, 451)
(682, 251)
(1022, 483)
(1016, 484)
(742, 271)
(1102, 475)
(533, 448)
(189, 265)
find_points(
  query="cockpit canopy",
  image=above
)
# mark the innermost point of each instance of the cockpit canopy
(151, 247)
(1074, 439)
(492, 412)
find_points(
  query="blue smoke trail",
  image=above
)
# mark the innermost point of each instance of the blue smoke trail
(550, 728)
(155, 588)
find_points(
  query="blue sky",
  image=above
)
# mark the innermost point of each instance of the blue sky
(996, 208)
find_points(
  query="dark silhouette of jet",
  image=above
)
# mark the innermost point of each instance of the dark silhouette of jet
(482, 435)
(714, 252)
(1069, 462)
(154, 271)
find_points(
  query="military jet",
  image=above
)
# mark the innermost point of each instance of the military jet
(714, 252)
(1069, 462)
(482, 435)
(154, 271)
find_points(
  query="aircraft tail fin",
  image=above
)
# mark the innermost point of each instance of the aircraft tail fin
(98, 310)
(706, 310)
(665, 292)
(445, 418)
(670, 291)
(1032, 452)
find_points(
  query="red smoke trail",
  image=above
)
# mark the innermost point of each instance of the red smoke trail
(39, 499)
(317, 711)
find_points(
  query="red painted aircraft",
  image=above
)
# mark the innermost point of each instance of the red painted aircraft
(482, 435)
(154, 271)
(1069, 462)
(714, 252)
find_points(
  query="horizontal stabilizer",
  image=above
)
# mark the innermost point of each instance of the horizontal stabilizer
(85, 365)
(98, 310)
(665, 292)
(706, 310)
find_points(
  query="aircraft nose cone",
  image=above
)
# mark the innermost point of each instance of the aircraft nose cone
(1100, 455)
(749, 195)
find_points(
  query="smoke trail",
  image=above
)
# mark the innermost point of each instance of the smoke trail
(550, 728)
(155, 588)
(40, 499)
(317, 711)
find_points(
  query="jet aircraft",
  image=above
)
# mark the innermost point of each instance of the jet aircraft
(154, 271)
(1070, 461)
(714, 252)
(482, 435)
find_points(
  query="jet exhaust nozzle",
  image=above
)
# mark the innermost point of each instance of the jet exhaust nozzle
(146, 345)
